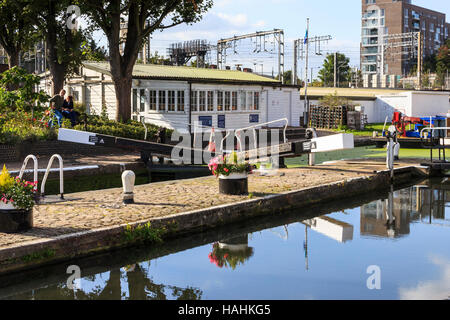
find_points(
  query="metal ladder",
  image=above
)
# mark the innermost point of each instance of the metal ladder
(47, 171)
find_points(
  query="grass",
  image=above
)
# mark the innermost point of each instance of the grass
(356, 153)
(367, 132)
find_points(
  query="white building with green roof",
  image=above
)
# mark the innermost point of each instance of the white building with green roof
(176, 96)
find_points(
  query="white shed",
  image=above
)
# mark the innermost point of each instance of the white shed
(176, 96)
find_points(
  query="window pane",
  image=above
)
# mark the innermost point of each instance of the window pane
(162, 100)
(250, 100)
(202, 100)
(256, 101)
(210, 100)
(171, 102)
(180, 100)
(227, 100)
(219, 100)
(153, 100)
(243, 100)
(194, 100)
(234, 100)
(134, 100)
(142, 100)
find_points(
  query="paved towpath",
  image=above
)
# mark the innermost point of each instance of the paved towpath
(97, 209)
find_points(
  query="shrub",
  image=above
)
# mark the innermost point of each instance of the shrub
(17, 91)
(131, 129)
(20, 127)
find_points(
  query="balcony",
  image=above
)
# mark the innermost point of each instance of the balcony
(369, 51)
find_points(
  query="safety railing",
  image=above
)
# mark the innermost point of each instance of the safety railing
(61, 175)
(255, 142)
(35, 169)
(228, 132)
(194, 125)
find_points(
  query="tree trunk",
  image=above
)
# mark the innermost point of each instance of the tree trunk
(57, 71)
(13, 58)
(123, 98)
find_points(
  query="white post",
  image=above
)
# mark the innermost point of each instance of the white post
(128, 180)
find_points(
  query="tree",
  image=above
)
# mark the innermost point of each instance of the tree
(287, 77)
(94, 52)
(443, 63)
(66, 46)
(16, 29)
(333, 100)
(326, 74)
(24, 97)
(142, 18)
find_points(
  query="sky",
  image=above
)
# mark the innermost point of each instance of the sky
(339, 19)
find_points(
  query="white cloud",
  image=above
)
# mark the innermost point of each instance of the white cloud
(259, 24)
(433, 289)
(237, 20)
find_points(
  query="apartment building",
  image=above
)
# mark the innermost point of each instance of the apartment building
(390, 17)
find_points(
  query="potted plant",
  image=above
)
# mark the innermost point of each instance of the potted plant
(232, 174)
(16, 203)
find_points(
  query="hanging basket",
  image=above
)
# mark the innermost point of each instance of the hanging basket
(14, 220)
(234, 184)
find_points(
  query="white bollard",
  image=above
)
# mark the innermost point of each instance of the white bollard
(128, 180)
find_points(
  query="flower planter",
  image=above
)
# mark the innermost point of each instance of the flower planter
(13, 219)
(234, 184)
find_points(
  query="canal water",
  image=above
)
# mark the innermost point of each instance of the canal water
(384, 246)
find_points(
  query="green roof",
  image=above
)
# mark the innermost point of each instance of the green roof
(151, 71)
(351, 92)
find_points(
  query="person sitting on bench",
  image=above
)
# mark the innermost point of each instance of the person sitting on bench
(68, 112)
(58, 102)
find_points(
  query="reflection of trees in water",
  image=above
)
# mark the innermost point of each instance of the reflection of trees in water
(140, 287)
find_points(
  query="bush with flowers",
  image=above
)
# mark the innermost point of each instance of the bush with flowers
(228, 164)
(22, 126)
(17, 192)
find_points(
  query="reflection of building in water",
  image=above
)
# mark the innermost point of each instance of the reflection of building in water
(332, 228)
(431, 203)
(416, 204)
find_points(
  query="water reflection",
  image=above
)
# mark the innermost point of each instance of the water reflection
(231, 253)
(128, 283)
(391, 217)
(433, 289)
(262, 258)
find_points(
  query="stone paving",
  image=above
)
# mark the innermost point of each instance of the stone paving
(104, 208)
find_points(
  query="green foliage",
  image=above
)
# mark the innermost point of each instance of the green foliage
(143, 233)
(146, 17)
(226, 165)
(229, 258)
(130, 129)
(15, 191)
(333, 100)
(18, 127)
(92, 52)
(17, 31)
(24, 97)
(287, 77)
(326, 74)
(40, 255)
